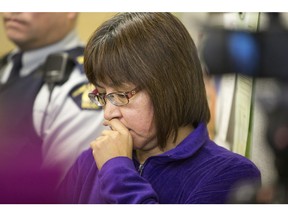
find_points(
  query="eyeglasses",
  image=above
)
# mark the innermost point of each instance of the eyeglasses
(116, 98)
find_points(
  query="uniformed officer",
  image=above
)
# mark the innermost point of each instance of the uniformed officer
(43, 123)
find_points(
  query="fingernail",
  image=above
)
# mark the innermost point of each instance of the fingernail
(106, 123)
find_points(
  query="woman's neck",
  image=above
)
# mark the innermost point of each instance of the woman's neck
(183, 132)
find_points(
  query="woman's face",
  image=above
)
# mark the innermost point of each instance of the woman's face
(137, 116)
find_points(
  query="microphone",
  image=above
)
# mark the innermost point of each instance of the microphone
(57, 69)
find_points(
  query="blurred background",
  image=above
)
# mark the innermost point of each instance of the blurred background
(241, 105)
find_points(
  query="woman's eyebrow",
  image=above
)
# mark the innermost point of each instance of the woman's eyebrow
(97, 85)
(123, 87)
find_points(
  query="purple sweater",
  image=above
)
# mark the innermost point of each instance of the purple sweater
(196, 171)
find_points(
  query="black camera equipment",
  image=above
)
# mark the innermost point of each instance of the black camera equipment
(261, 54)
(257, 54)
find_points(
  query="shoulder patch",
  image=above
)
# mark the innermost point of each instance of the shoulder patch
(79, 94)
(80, 59)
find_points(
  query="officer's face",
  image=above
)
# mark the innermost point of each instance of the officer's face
(35, 30)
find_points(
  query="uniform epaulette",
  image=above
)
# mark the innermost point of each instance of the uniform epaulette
(80, 59)
(79, 94)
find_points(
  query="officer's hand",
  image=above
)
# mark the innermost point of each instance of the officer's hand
(112, 143)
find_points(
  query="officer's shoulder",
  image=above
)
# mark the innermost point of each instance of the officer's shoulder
(79, 95)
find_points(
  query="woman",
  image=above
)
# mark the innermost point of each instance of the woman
(148, 78)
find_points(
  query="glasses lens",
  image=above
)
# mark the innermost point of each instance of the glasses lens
(100, 100)
(96, 99)
(118, 99)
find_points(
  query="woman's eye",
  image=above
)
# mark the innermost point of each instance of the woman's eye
(111, 95)
(121, 96)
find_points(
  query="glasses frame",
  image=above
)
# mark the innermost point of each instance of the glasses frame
(95, 94)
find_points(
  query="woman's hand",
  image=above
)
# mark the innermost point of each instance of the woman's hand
(112, 143)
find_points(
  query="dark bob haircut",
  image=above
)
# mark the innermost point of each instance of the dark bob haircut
(155, 52)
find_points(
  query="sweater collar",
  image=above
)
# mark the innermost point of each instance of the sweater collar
(191, 144)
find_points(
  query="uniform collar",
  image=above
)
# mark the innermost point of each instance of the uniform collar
(34, 58)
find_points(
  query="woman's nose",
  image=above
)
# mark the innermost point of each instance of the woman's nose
(111, 111)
